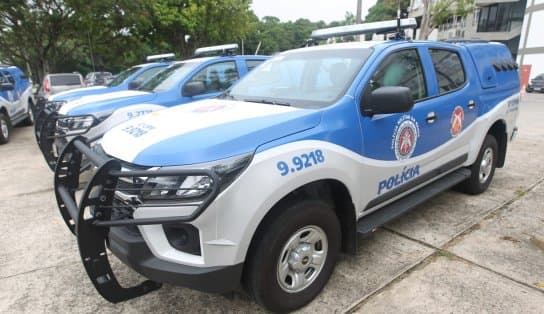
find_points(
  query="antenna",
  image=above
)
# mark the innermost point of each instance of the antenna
(400, 33)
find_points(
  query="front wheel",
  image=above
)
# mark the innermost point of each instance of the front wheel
(5, 128)
(291, 260)
(483, 169)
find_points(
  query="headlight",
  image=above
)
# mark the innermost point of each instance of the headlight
(54, 105)
(191, 187)
(73, 125)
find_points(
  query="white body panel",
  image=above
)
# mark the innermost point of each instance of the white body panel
(229, 223)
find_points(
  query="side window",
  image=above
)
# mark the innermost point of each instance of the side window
(9, 77)
(147, 74)
(402, 68)
(449, 69)
(3, 79)
(217, 77)
(252, 64)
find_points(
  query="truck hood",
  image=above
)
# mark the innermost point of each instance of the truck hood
(78, 92)
(204, 131)
(98, 103)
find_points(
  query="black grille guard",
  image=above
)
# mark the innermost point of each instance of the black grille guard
(44, 130)
(91, 219)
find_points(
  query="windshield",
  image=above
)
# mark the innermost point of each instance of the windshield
(122, 76)
(310, 79)
(169, 78)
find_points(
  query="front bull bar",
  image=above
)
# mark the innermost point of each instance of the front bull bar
(91, 219)
(45, 132)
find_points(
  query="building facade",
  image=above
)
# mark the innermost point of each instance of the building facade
(531, 44)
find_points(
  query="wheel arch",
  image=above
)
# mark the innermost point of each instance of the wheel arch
(331, 191)
(498, 131)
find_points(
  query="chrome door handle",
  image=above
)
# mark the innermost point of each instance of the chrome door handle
(471, 104)
(431, 117)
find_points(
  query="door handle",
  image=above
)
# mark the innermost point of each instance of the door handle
(471, 104)
(431, 117)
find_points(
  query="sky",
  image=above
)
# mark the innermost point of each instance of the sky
(313, 10)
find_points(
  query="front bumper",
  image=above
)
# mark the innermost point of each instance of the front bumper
(133, 251)
(95, 224)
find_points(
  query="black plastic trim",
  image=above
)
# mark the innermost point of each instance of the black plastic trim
(131, 249)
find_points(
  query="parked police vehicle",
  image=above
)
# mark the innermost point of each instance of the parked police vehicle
(131, 78)
(265, 185)
(182, 82)
(16, 100)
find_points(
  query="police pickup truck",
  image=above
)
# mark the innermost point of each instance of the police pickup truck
(130, 78)
(16, 100)
(182, 82)
(265, 185)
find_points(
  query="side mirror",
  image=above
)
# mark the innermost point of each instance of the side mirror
(6, 86)
(134, 85)
(388, 99)
(193, 88)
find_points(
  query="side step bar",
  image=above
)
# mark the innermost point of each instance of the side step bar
(391, 211)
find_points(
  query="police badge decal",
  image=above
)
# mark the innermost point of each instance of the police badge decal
(405, 137)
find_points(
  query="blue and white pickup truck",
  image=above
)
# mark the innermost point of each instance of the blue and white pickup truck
(130, 78)
(180, 83)
(16, 100)
(265, 185)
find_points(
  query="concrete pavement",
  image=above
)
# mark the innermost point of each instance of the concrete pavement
(456, 253)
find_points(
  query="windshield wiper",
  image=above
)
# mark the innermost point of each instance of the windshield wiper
(226, 95)
(269, 102)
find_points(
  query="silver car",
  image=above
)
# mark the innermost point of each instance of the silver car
(59, 82)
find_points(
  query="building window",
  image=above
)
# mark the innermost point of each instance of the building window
(500, 17)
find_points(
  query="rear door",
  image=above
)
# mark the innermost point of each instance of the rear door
(456, 101)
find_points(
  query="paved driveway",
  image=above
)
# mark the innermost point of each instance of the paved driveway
(456, 253)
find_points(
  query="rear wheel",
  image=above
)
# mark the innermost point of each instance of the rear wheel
(5, 128)
(291, 260)
(483, 169)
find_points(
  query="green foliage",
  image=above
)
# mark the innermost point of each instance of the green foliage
(81, 35)
(386, 10)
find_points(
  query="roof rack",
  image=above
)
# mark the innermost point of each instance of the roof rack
(229, 49)
(461, 40)
(365, 28)
(161, 57)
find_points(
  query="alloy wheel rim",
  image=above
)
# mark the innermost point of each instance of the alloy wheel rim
(4, 128)
(302, 259)
(486, 165)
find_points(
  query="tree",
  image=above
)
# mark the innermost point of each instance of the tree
(436, 12)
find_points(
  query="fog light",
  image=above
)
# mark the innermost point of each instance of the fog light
(183, 237)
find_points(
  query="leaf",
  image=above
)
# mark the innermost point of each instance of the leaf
(539, 243)
(539, 284)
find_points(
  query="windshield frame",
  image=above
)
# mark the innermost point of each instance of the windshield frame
(362, 53)
(159, 78)
(118, 81)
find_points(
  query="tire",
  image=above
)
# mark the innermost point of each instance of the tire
(483, 168)
(30, 119)
(301, 221)
(528, 90)
(5, 128)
